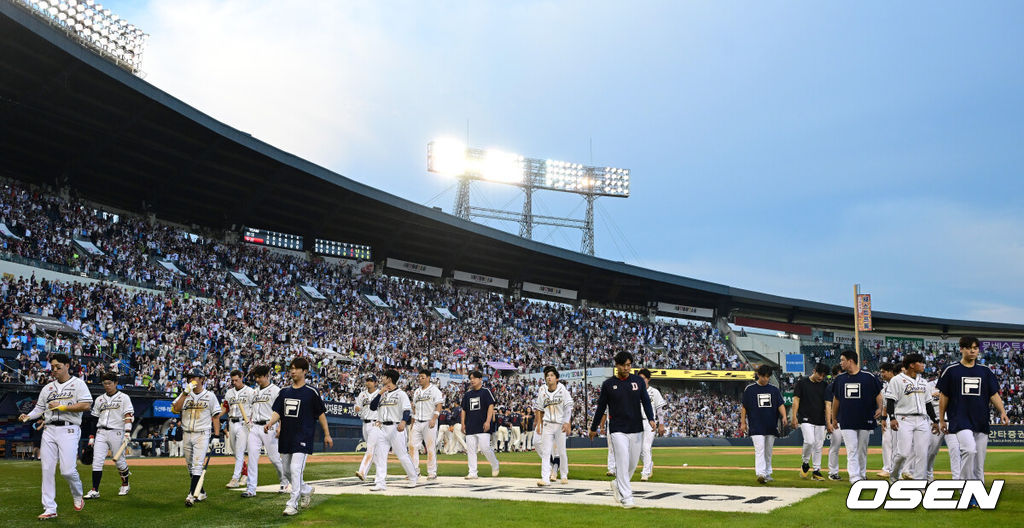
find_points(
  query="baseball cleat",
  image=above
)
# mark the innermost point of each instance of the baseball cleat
(769, 479)
(834, 476)
(805, 469)
(190, 500)
(378, 488)
(431, 477)
(615, 492)
(883, 474)
(290, 511)
(92, 494)
(471, 477)
(628, 505)
(553, 478)
(494, 472)
(124, 490)
(248, 495)
(565, 481)
(610, 474)
(644, 478)
(906, 476)
(817, 475)
(47, 516)
(358, 474)
(201, 497)
(243, 481)
(79, 503)
(232, 484)
(761, 479)
(306, 498)
(542, 483)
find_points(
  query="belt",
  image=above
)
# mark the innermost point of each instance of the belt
(388, 423)
(111, 428)
(59, 423)
(422, 421)
(194, 432)
(915, 414)
(367, 421)
(260, 422)
(236, 420)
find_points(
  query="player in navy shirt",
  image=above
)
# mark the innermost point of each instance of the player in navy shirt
(965, 391)
(623, 395)
(298, 408)
(477, 418)
(856, 403)
(762, 407)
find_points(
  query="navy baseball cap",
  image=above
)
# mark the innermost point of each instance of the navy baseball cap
(372, 378)
(195, 374)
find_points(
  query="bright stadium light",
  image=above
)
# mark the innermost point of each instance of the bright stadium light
(447, 157)
(502, 167)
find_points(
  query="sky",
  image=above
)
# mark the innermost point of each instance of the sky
(793, 148)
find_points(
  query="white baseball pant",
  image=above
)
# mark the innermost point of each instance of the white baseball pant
(267, 440)
(552, 442)
(814, 439)
(196, 445)
(294, 465)
(912, 444)
(763, 445)
(423, 434)
(856, 441)
(460, 439)
(503, 437)
(611, 455)
(391, 439)
(371, 435)
(627, 455)
(479, 442)
(238, 439)
(108, 440)
(59, 444)
(646, 451)
(888, 447)
(835, 441)
(517, 438)
(972, 454)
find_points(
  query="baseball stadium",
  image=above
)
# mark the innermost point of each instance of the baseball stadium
(202, 329)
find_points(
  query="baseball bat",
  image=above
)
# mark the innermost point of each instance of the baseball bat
(242, 408)
(124, 445)
(202, 477)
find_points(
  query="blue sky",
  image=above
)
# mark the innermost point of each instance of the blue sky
(787, 147)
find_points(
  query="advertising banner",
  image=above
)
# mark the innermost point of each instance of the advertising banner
(483, 280)
(549, 290)
(412, 267)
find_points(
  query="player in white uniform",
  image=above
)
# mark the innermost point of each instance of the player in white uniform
(886, 371)
(239, 400)
(936, 439)
(61, 404)
(114, 415)
(262, 402)
(553, 414)
(426, 407)
(657, 403)
(394, 414)
(911, 416)
(200, 412)
(371, 432)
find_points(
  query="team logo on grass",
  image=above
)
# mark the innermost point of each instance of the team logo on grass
(647, 494)
(909, 494)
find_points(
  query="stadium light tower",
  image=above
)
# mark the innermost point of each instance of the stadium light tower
(450, 157)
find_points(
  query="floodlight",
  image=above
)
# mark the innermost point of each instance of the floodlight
(447, 157)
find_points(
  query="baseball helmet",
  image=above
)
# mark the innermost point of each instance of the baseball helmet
(194, 374)
(86, 455)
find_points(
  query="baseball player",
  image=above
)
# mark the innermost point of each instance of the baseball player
(476, 417)
(299, 408)
(966, 390)
(114, 415)
(446, 437)
(263, 400)
(458, 433)
(553, 414)
(856, 404)
(935, 442)
(907, 402)
(503, 435)
(624, 395)
(809, 416)
(762, 405)
(528, 427)
(887, 371)
(426, 408)
(516, 430)
(239, 399)
(393, 416)
(61, 404)
(835, 434)
(657, 403)
(200, 413)
(369, 418)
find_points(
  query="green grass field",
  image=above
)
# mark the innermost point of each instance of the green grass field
(157, 496)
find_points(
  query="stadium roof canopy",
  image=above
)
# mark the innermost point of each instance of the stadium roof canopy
(70, 117)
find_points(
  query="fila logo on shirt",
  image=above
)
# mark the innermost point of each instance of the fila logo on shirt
(474, 404)
(764, 400)
(970, 386)
(853, 391)
(291, 407)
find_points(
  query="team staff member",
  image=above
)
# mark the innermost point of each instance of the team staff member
(369, 418)
(907, 417)
(657, 403)
(856, 404)
(625, 397)
(238, 397)
(476, 417)
(114, 414)
(887, 371)
(61, 404)
(967, 389)
(809, 416)
(200, 413)
(263, 400)
(298, 408)
(426, 401)
(553, 410)
(394, 414)
(762, 407)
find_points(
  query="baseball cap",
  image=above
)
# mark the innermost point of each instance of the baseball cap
(195, 374)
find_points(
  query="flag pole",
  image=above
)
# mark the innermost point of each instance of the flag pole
(856, 321)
